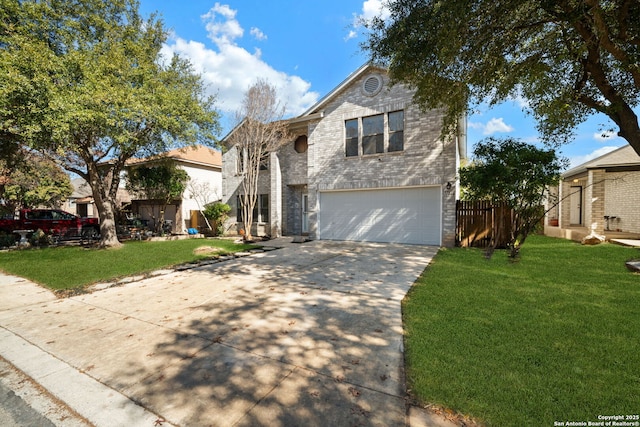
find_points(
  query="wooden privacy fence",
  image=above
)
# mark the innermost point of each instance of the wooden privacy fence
(478, 222)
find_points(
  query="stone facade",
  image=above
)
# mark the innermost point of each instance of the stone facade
(426, 160)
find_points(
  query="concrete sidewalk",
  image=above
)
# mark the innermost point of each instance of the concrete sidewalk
(309, 335)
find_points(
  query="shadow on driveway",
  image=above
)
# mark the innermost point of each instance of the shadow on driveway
(306, 335)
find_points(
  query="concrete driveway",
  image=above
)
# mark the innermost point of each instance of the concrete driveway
(306, 335)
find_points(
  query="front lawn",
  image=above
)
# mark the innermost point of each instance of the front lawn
(553, 337)
(73, 267)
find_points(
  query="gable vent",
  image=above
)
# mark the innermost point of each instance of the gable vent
(372, 85)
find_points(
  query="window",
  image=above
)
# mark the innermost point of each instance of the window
(263, 203)
(379, 134)
(264, 162)
(260, 210)
(240, 164)
(373, 134)
(301, 144)
(351, 145)
(396, 131)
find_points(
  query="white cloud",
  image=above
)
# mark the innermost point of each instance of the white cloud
(258, 34)
(495, 125)
(605, 136)
(221, 25)
(373, 8)
(370, 10)
(578, 160)
(352, 35)
(230, 69)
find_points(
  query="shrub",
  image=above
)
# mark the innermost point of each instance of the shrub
(7, 240)
(217, 213)
(40, 238)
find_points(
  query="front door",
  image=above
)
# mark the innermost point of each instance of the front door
(305, 213)
(575, 206)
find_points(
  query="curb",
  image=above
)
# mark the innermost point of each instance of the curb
(97, 403)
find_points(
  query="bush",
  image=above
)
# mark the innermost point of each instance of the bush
(7, 240)
(217, 213)
(40, 238)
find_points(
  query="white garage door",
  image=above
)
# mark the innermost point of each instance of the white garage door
(408, 215)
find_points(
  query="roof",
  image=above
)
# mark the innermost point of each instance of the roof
(80, 188)
(315, 111)
(317, 107)
(198, 154)
(624, 156)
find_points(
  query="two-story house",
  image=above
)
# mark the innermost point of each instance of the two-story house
(365, 164)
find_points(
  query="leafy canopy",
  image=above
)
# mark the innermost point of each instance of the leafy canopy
(162, 181)
(515, 174)
(36, 181)
(568, 59)
(85, 82)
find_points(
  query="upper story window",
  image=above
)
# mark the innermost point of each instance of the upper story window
(396, 131)
(352, 133)
(301, 144)
(264, 162)
(373, 134)
(380, 133)
(243, 161)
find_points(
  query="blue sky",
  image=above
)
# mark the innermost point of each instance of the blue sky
(306, 48)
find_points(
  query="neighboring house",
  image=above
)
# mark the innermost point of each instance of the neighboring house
(600, 195)
(81, 201)
(204, 167)
(365, 164)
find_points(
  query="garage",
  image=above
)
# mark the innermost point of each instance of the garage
(399, 215)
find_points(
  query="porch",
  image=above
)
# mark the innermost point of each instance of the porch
(577, 233)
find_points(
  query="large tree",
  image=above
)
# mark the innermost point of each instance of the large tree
(259, 132)
(568, 58)
(514, 174)
(84, 81)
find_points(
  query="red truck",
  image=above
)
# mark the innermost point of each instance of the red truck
(58, 223)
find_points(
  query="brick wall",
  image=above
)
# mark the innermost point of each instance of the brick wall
(232, 187)
(623, 200)
(425, 161)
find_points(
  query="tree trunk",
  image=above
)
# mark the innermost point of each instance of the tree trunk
(106, 211)
(108, 235)
(630, 130)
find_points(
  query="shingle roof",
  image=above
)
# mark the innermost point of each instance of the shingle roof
(623, 156)
(198, 154)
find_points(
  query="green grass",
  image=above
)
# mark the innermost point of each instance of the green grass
(552, 337)
(75, 267)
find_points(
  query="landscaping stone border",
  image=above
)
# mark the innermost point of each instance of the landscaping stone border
(180, 267)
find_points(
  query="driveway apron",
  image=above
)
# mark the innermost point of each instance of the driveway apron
(306, 335)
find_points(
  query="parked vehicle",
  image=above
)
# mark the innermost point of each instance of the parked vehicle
(57, 223)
